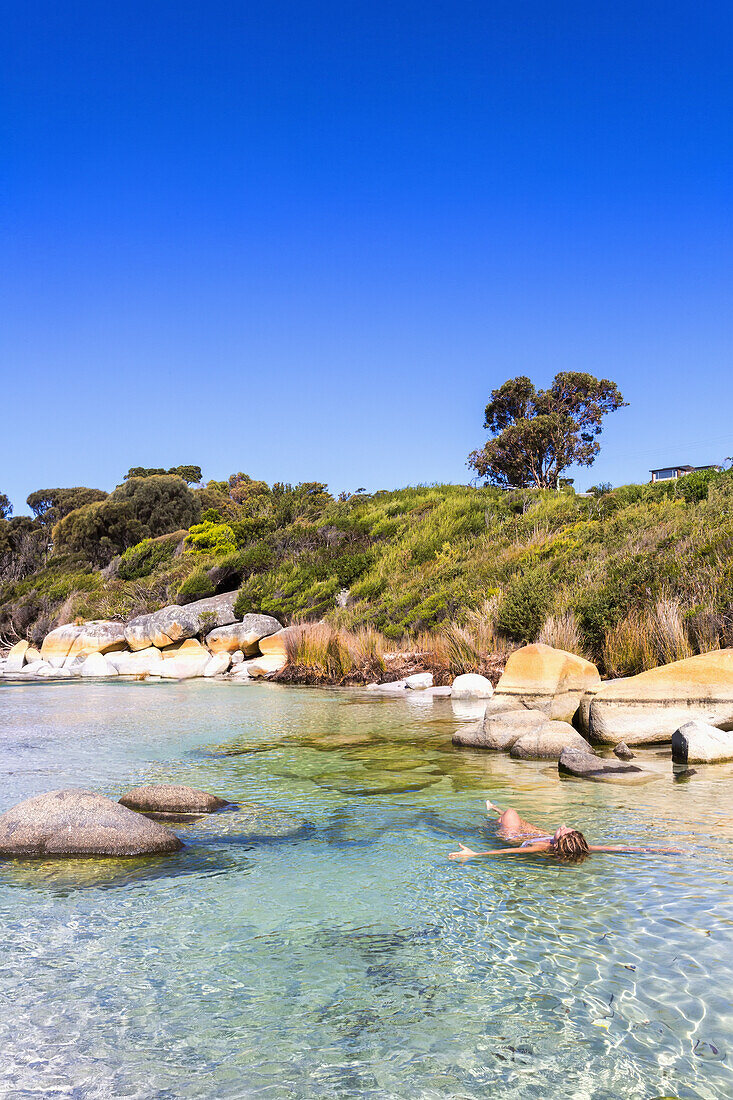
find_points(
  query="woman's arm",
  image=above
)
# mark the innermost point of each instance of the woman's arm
(468, 853)
(633, 851)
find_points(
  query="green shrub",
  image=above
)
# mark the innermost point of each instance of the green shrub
(256, 559)
(526, 604)
(140, 508)
(195, 587)
(144, 558)
(694, 487)
(210, 538)
(247, 529)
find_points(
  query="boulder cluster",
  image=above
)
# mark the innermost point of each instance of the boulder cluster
(83, 823)
(176, 643)
(552, 705)
(73, 823)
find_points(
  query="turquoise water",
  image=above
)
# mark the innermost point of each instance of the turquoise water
(353, 959)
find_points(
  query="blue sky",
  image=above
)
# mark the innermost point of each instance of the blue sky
(307, 240)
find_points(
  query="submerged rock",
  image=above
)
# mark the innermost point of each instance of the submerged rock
(548, 742)
(168, 798)
(250, 821)
(681, 775)
(499, 731)
(586, 765)
(80, 823)
(366, 785)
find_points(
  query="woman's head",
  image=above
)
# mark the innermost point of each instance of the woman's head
(569, 845)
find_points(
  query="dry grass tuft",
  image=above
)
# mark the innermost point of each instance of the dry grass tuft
(563, 632)
(669, 637)
(646, 639)
(627, 648)
(319, 653)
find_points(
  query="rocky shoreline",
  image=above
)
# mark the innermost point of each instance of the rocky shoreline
(553, 705)
(545, 703)
(202, 639)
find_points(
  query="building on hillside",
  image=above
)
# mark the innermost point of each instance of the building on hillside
(671, 473)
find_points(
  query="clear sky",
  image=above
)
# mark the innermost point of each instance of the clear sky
(305, 240)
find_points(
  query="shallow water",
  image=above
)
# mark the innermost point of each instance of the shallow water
(352, 958)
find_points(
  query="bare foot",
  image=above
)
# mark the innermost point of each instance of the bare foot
(490, 806)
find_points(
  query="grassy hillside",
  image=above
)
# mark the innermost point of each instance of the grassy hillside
(630, 577)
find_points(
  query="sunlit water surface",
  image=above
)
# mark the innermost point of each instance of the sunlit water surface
(353, 959)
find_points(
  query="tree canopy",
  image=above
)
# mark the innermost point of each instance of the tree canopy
(537, 434)
(51, 505)
(6, 508)
(190, 474)
(139, 508)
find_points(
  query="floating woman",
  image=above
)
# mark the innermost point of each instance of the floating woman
(566, 844)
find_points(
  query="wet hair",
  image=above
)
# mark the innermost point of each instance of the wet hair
(571, 847)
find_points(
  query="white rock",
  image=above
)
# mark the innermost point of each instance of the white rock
(185, 667)
(17, 657)
(420, 680)
(32, 669)
(143, 662)
(96, 664)
(699, 743)
(217, 664)
(240, 672)
(395, 687)
(264, 665)
(42, 670)
(237, 657)
(439, 692)
(471, 686)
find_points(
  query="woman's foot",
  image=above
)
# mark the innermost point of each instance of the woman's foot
(490, 806)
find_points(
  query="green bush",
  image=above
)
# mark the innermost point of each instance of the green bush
(210, 538)
(247, 529)
(195, 587)
(144, 558)
(526, 604)
(256, 559)
(140, 508)
(694, 487)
